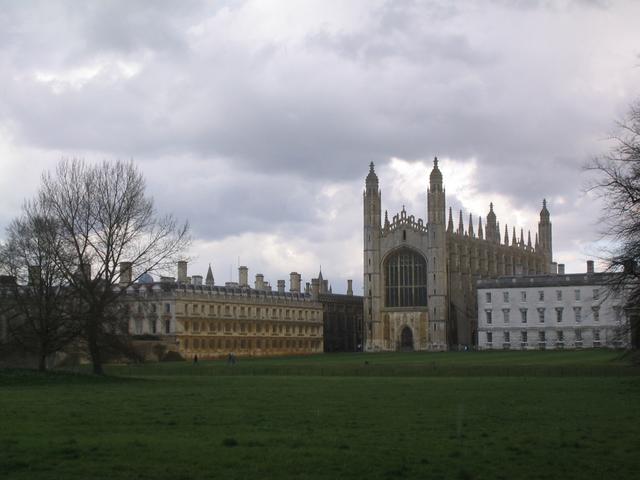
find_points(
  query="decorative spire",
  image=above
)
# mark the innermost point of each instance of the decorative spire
(435, 179)
(450, 224)
(320, 274)
(544, 213)
(480, 232)
(386, 219)
(521, 237)
(209, 279)
(513, 237)
(372, 179)
(537, 245)
(506, 234)
(529, 239)
(460, 225)
(491, 213)
(493, 228)
(471, 225)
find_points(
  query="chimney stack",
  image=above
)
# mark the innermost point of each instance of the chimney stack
(196, 280)
(315, 288)
(243, 277)
(349, 287)
(294, 282)
(590, 268)
(280, 286)
(182, 271)
(561, 269)
(259, 281)
(125, 273)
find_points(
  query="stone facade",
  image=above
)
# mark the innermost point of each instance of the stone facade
(551, 312)
(419, 277)
(212, 321)
(342, 316)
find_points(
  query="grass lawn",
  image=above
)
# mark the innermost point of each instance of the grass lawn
(548, 415)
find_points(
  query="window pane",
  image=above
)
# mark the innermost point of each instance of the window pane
(405, 280)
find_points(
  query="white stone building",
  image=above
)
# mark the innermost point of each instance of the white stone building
(550, 312)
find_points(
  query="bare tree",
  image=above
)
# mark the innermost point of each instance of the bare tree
(35, 304)
(105, 218)
(618, 182)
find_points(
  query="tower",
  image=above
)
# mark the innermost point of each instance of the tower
(492, 231)
(372, 233)
(437, 259)
(544, 236)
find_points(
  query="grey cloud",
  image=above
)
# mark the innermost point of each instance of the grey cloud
(289, 116)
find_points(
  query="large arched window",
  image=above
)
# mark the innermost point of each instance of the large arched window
(405, 280)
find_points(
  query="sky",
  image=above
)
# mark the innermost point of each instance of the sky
(256, 121)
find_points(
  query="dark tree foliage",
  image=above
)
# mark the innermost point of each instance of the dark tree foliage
(34, 299)
(618, 182)
(105, 218)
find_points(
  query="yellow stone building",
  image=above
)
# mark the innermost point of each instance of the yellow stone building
(211, 321)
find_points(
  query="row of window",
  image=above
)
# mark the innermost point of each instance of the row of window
(143, 308)
(229, 344)
(154, 326)
(577, 314)
(541, 295)
(238, 311)
(249, 327)
(232, 311)
(542, 336)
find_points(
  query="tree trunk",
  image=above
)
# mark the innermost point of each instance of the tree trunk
(94, 348)
(42, 362)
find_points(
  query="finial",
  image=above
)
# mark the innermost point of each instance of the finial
(435, 162)
(491, 207)
(403, 208)
(371, 169)
(544, 203)
(450, 223)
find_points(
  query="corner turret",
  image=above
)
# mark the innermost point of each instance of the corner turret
(545, 235)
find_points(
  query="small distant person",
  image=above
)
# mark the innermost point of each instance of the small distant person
(230, 359)
(195, 359)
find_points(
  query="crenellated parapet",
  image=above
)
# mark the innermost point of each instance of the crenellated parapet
(403, 221)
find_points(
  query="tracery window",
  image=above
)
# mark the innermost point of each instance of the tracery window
(405, 280)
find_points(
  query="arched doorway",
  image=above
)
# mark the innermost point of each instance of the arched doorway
(406, 340)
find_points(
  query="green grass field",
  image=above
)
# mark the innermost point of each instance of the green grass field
(440, 415)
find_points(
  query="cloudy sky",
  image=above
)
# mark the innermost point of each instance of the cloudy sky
(257, 120)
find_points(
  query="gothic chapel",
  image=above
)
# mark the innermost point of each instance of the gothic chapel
(419, 279)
